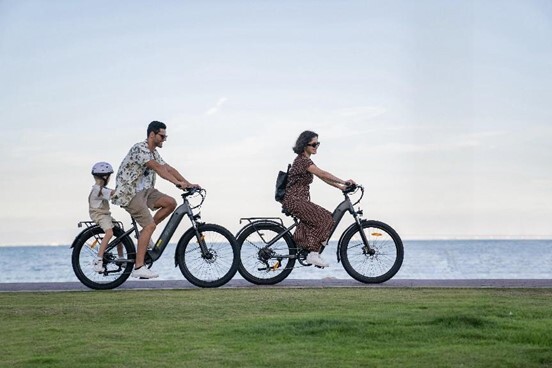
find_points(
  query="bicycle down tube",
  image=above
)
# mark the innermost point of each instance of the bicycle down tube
(168, 231)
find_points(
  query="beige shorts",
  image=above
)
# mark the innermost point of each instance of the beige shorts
(106, 222)
(138, 206)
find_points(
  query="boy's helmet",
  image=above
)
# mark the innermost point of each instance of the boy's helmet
(102, 168)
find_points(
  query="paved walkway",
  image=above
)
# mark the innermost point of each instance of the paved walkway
(323, 283)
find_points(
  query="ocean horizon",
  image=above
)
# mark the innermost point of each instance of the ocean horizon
(423, 259)
(404, 239)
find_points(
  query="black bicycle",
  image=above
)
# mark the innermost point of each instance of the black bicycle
(207, 254)
(371, 251)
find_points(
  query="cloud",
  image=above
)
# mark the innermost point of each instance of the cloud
(217, 107)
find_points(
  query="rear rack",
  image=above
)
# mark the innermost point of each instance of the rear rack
(90, 224)
(252, 219)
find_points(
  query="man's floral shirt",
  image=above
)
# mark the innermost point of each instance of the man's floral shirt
(133, 176)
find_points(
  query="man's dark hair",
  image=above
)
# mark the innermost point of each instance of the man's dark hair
(303, 140)
(156, 126)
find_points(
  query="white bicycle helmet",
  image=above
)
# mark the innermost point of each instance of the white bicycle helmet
(102, 168)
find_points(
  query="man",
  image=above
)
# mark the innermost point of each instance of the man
(135, 190)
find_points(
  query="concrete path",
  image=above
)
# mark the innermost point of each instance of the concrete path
(323, 283)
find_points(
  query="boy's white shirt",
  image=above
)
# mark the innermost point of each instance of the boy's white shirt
(95, 197)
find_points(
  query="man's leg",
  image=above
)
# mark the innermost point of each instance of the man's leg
(138, 209)
(143, 241)
(165, 205)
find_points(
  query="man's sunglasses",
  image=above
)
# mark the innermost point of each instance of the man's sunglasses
(314, 145)
(163, 136)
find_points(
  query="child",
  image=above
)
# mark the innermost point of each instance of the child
(98, 201)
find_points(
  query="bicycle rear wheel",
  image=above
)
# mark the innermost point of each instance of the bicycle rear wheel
(215, 268)
(118, 260)
(264, 265)
(377, 264)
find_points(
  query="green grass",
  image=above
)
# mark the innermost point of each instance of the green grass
(349, 327)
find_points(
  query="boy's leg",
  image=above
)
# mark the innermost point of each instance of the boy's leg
(107, 227)
(107, 237)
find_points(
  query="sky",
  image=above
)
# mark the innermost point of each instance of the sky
(441, 109)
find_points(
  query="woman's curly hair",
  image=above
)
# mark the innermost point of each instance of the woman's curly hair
(302, 141)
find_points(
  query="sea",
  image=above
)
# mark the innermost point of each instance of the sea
(423, 259)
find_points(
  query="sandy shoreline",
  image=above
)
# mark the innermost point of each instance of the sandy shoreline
(321, 283)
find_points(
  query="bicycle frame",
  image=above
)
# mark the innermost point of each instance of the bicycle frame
(341, 209)
(170, 228)
(337, 215)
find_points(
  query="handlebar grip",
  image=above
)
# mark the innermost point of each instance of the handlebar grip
(187, 189)
(350, 188)
(192, 190)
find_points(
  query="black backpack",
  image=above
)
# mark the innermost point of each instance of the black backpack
(281, 182)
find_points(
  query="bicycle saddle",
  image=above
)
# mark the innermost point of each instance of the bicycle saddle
(286, 212)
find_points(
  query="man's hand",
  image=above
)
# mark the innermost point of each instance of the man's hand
(185, 185)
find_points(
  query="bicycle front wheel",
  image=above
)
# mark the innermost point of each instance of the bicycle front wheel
(264, 265)
(118, 261)
(214, 268)
(374, 264)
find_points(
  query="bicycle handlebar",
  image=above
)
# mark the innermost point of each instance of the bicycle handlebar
(353, 189)
(188, 192)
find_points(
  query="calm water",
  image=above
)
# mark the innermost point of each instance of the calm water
(435, 259)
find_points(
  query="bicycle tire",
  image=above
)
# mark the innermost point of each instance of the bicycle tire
(254, 266)
(85, 252)
(208, 272)
(378, 267)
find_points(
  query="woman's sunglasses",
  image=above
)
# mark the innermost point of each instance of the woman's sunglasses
(314, 145)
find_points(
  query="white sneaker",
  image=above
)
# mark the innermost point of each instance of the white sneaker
(144, 273)
(315, 259)
(98, 265)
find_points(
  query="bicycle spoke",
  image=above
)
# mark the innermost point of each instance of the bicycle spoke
(206, 269)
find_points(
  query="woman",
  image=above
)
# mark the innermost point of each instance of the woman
(316, 222)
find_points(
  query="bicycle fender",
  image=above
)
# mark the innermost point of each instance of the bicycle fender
(187, 233)
(116, 230)
(83, 233)
(339, 243)
(259, 222)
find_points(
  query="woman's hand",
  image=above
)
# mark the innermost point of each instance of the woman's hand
(349, 183)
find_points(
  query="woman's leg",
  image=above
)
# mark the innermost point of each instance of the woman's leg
(315, 226)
